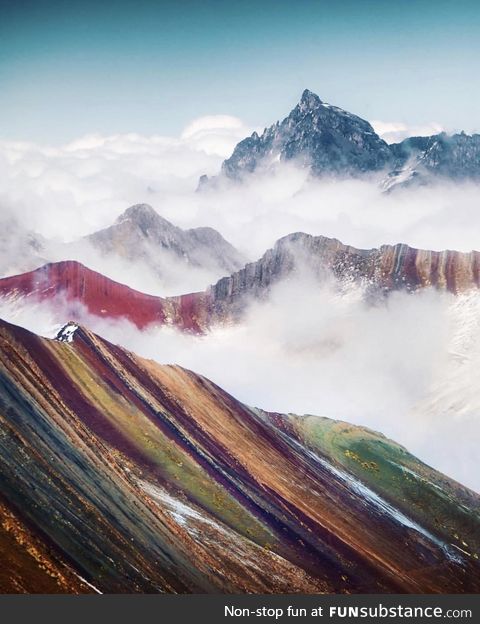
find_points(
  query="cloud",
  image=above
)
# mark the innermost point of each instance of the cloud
(396, 131)
(397, 368)
(164, 274)
(69, 191)
(75, 189)
(215, 134)
(408, 367)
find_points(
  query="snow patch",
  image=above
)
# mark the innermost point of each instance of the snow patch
(95, 589)
(182, 513)
(67, 333)
(379, 504)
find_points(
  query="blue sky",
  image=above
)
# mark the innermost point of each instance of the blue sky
(68, 68)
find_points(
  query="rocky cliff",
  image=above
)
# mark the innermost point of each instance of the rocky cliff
(74, 289)
(317, 135)
(331, 141)
(382, 270)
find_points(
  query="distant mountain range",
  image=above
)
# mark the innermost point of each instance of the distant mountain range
(118, 475)
(73, 289)
(140, 237)
(141, 233)
(330, 141)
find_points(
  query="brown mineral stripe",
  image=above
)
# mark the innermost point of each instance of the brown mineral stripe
(390, 267)
(146, 478)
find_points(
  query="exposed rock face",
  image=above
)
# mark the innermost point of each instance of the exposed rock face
(391, 267)
(141, 233)
(419, 160)
(203, 183)
(381, 270)
(135, 477)
(317, 135)
(330, 141)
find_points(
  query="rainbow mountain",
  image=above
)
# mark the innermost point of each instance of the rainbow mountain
(75, 290)
(118, 475)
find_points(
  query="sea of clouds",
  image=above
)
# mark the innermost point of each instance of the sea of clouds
(68, 191)
(408, 367)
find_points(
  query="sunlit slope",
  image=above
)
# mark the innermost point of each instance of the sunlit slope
(422, 493)
(137, 477)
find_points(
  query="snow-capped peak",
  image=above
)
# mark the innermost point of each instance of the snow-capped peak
(67, 332)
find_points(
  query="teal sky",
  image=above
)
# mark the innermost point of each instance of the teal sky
(68, 68)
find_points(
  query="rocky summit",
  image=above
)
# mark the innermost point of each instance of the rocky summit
(331, 141)
(140, 232)
(317, 135)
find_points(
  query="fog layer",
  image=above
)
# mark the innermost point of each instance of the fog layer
(408, 368)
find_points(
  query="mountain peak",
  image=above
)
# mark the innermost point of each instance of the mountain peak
(310, 99)
(141, 233)
(99, 432)
(138, 213)
(67, 332)
(323, 138)
(144, 219)
(330, 141)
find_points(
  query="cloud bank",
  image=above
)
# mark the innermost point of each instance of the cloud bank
(396, 131)
(66, 192)
(407, 368)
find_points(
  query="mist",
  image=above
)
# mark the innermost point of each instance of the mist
(64, 193)
(407, 367)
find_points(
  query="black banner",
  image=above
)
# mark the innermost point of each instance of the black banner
(224, 608)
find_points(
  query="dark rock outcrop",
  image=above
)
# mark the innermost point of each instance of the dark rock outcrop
(331, 141)
(324, 138)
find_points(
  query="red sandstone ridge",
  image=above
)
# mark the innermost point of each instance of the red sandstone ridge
(73, 285)
(380, 271)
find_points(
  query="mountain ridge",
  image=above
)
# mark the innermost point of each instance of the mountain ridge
(330, 141)
(379, 270)
(140, 231)
(141, 478)
(76, 288)
(139, 235)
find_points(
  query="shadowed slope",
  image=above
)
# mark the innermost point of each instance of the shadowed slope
(146, 478)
